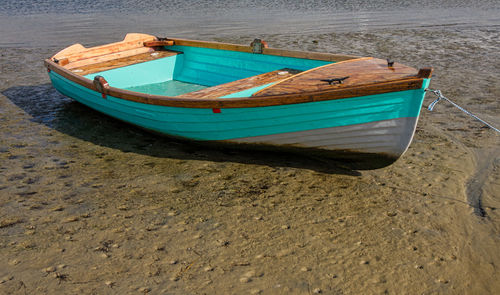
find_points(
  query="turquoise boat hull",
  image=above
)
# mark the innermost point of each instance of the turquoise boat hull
(235, 123)
(380, 124)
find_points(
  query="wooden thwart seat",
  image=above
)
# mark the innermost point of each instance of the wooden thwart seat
(120, 62)
(132, 50)
(240, 85)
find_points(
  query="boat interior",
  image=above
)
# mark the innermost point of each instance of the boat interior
(196, 69)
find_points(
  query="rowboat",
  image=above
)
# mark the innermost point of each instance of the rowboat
(248, 95)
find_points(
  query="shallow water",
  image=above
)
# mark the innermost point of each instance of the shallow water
(51, 23)
(111, 208)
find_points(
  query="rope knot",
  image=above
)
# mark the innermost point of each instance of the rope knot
(441, 96)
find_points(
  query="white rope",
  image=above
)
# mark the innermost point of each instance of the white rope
(440, 96)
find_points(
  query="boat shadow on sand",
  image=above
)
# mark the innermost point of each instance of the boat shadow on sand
(47, 106)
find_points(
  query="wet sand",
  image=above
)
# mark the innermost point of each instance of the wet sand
(91, 205)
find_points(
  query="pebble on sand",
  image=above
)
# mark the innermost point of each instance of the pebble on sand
(9, 221)
(123, 207)
(285, 252)
(109, 283)
(14, 262)
(159, 247)
(6, 278)
(223, 243)
(71, 219)
(174, 278)
(249, 274)
(30, 232)
(49, 269)
(57, 208)
(27, 245)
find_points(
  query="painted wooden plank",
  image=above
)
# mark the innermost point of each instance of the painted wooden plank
(210, 67)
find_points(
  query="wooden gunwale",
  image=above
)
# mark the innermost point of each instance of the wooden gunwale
(243, 102)
(268, 51)
(158, 43)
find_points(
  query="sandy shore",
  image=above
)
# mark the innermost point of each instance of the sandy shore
(90, 205)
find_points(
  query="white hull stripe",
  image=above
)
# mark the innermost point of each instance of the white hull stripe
(391, 137)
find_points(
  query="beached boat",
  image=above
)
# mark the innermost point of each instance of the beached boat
(209, 91)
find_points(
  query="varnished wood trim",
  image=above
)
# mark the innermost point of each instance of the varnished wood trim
(308, 55)
(243, 102)
(62, 62)
(425, 73)
(158, 43)
(269, 51)
(212, 45)
(52, 66)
